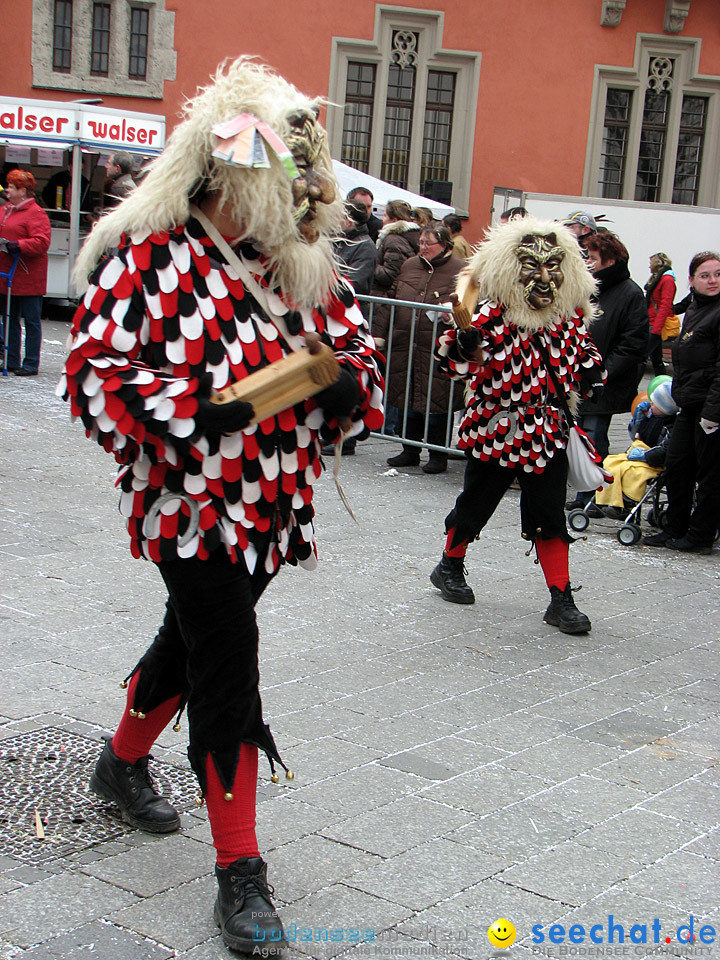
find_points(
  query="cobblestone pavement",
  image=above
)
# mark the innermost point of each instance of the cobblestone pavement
(453, 765)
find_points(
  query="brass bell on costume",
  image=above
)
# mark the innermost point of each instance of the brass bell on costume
(228, 796)
(133, 713)
(123, 684)
(289, 775)
(275, 778)
(176, 727)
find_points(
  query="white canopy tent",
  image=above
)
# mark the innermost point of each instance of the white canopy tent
(383, 192)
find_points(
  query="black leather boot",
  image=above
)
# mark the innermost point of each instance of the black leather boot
(436, 464)
(244, 911)
(410, 457)
(563, 613)
(449, 577)
(130, 786)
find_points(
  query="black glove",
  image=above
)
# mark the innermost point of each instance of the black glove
(12, 246)
(214, 419)
(340, 399)
(468, 341)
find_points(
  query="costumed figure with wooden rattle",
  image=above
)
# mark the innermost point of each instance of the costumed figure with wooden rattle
(212, 354)
(527, 357)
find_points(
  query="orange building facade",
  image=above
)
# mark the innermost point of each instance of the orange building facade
(609, 98)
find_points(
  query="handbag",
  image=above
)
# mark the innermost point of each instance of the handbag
(585, 470)
(671, 327)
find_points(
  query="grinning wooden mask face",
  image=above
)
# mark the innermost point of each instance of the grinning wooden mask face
(541, 272)
(307, 143)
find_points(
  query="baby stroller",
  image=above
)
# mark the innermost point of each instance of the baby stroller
(631, 530)
(649, 432)
(6, 313)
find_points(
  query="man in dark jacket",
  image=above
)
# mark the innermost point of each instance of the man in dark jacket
(357, 253)
(119, 183)
(356, 250)
(362, 195)
(620, 334)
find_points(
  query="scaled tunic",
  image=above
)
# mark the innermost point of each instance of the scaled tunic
(161, 313)
(513, 413)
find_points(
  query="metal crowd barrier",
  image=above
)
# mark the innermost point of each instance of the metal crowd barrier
(421, 313)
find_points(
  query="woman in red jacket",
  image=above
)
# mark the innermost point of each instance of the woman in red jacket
(24, 230)
(659, 293)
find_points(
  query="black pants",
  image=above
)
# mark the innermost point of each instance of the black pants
(206, 651)
(437, 427)
(542, 499)
(693, 469)
(655, 353)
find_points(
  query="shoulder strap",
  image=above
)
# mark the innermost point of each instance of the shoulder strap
(559, 392)
(227, 251)
(247, 278)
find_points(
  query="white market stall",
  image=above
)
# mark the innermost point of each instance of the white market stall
(383, 192)
(74, 138)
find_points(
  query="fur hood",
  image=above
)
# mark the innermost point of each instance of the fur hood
(260, 199)
(398, 226)
(494, 267)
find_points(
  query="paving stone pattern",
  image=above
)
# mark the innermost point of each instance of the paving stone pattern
(452, 764)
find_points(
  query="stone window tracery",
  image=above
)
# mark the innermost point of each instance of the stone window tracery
(397, 101)
(653, 130)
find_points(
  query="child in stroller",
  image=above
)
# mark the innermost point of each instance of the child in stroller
(641, 464)
(649, 431)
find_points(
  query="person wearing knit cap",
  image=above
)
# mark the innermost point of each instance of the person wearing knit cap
(650, 429)
(662, 400)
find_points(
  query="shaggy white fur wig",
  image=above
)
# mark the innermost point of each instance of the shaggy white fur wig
(260, 199)
(495, 269)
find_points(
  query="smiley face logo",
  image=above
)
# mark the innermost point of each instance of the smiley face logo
(502, 933)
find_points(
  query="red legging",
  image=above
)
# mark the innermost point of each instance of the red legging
(232, 820)
(553, 557)
(135, 735)
(459, 550)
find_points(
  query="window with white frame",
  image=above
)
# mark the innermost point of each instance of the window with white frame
(403, 108)
(106, 47)
(654, 127)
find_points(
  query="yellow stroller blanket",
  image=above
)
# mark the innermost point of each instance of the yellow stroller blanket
(630, 477)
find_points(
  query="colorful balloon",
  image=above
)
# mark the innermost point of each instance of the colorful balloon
(655, 382)
(638, 399)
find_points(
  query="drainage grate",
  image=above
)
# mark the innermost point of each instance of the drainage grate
(48, 771)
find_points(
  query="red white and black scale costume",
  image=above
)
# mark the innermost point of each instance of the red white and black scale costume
(161, 313)
(513, 426)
